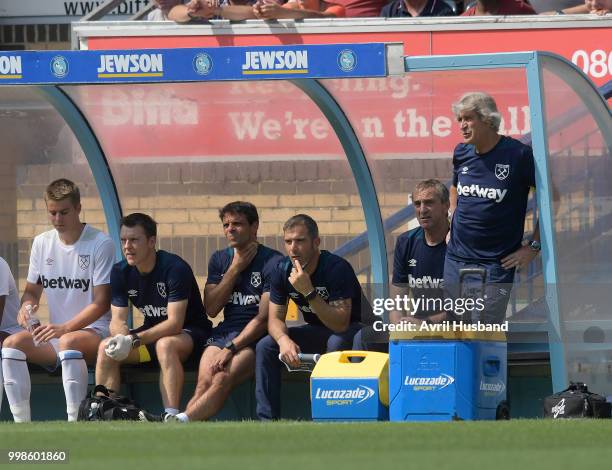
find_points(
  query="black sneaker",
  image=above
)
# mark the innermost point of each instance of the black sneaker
(149, 417)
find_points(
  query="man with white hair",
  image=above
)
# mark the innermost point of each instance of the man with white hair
(492, 177)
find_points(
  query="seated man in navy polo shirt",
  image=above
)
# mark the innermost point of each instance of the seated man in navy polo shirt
(326, 290)
(418, 264)
(239, 284)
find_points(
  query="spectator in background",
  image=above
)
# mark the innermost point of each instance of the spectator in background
(362, 8)
(161, 10)
(414, 8)
(499, 7)
(595, 7)
(265, 10)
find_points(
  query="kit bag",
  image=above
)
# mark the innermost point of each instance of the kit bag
(576, 402)
(100, 406)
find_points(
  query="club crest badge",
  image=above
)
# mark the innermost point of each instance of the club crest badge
(322, 292)
(161, 289)
(202, 63)
(59, 66)
(84, 261)
(502, 171)
(256, 279)
(347, 60)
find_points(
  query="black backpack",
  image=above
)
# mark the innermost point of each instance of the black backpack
(100, 406)
(576, 402)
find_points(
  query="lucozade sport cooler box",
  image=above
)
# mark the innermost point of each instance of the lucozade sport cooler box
(452, 375)
(343, 390)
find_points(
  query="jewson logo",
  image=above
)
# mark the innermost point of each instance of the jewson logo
(202, 63)
(495, 387)
(474, 190)
(131, 65)
(275, 62)
(59, 66)
(429, 383)
(347, 60)
(344, 396)
(10, 67)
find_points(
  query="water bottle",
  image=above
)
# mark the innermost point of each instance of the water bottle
(33, 322)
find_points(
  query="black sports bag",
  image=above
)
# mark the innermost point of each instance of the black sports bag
(576, 402)
(101, 406)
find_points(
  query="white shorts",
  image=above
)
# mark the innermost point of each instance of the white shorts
(11, 330)
(101, 330)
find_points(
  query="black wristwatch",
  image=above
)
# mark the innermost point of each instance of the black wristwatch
(311, 295)
(535, 245)
(135, 340)
(231, 346)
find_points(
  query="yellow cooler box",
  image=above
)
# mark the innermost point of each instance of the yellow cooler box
(350, 386)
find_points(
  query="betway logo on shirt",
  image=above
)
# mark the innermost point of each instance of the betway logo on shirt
(130, 65)
(475, 190)
(425, 281)
(63, 282)
(10, 67)
(152, 311)
(238, 298)
(275, 62)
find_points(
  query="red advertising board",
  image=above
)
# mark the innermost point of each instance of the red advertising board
(394, 116)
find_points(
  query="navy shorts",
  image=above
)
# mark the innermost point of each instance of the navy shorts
(220, 336)
(197, 333)
(494, 296)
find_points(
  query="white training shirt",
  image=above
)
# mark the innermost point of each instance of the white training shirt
(8, 290)
(68, 273)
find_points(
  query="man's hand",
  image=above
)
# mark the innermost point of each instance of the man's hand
(243, 257)
(119, 347)
(268, 10)
(300, 280)
(202, 8)
(24, 314)
(221, 360)
(43, 334)
(289, 351)
(519, 259)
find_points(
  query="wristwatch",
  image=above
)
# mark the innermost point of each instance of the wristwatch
(535, 245)
(311, 295)
(135, 340)
(231, 346)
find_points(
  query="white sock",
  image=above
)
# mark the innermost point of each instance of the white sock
(17, 383)
(171, 411)
(1, 382)
(183, 417)
(74, 377)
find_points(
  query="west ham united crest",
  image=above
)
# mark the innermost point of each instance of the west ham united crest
(256, 279)
(502, 171)
(322, 292)
(84, 261)
(161, 288)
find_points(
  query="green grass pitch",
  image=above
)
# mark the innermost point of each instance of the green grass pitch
(515, 445)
